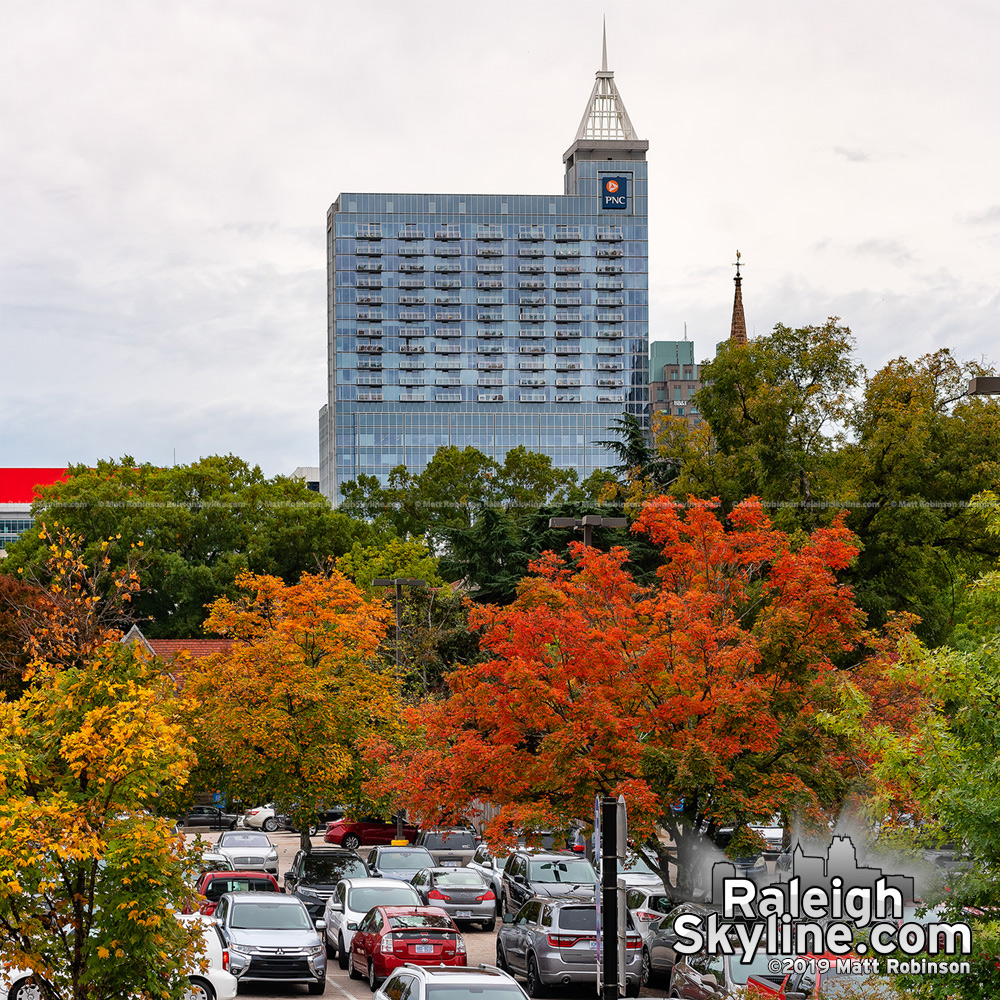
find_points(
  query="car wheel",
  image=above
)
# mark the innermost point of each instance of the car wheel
(341, 952)
(533, 984)
(502, 959)
(235, 823)
(313, 829)
(270, 824)
(351, 842)
(372, 978)
(25, 991)
(489, 925)
(351, 971)
(198, 989)
(317, 988)
(647, 968)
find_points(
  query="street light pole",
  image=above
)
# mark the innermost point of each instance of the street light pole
(399, 583)
(587, 524)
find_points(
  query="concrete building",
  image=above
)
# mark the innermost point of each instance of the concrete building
(674, 379)
(491, 320)
(17, 493)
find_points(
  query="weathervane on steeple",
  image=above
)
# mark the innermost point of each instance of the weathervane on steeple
(738, 330)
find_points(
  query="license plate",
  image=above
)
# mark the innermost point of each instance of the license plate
(423, 949)
(449, 864)
(592, 946)
(463, 913)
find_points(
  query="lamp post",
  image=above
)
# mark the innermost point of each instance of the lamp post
(399, 583)
(587, 523)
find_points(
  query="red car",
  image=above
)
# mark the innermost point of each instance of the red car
(390, 936)
(212, 885)
(352, 833)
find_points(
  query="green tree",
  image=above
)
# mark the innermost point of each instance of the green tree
(923, 449)
(199, 525)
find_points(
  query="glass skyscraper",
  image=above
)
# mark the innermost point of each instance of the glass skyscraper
(491, 320)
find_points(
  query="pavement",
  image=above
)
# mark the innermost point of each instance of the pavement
(481, 947)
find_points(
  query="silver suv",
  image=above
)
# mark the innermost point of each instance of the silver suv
(448, 982)
(271, 940)
(553, 942)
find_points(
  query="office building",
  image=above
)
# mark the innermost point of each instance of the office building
(674, 379)
(491, 320)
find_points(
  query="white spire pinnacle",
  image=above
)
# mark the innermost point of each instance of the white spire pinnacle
(605, 117)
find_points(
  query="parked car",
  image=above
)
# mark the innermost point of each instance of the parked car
(320, 820)
(460, 892)
(214, 885)
(773, 832)
(263, 817)
(450, 848)
(351, 900)
(659, 956)
(214, 982)
(529, 873)
(313, 875)
(635, 870)
(271, 939)
(553, 942)
(207, 818)
(443, 982)
(352, 834)
(249, 850)
(647, 906)
(490, 865)
(398, 862)
(212, 861)
(391, 936)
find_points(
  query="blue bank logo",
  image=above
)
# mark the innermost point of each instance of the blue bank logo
(614, 193)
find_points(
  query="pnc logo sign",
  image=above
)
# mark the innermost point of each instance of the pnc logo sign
(614, 193)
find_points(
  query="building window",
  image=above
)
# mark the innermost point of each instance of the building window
(659, 395)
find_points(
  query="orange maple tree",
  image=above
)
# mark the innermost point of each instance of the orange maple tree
(709, 698)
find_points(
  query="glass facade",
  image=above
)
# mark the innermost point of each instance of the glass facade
(487, 320)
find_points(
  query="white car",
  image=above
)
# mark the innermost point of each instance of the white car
(351, 900)
(249, 851)
(262, 817)
(213, 983)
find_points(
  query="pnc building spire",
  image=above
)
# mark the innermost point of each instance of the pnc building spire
(605, 116)
(738, 330)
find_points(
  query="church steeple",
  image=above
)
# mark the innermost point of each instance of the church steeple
(738, 330)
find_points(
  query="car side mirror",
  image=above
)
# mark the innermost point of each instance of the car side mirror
(352, 926)
(321, 925)
(337, 907)
(709, 979)
(508, 917)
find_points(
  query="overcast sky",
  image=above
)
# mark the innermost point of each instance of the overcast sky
(165, 171)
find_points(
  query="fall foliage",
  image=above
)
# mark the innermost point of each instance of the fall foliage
(714, 687)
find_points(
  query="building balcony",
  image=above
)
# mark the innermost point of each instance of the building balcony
(613, 382)
(409, 268)
(531, 397)
(489, 300)
(447, 397)
(568, 317)
(567, 383)
(609, 252)
(567, 397)
(532, 316)
(368, 250)
(490, 267)
(531, 332)
(488, 331)
(447, 299)
(411, 363)
(489, 283)
(447, 282)
(369, 363)
(568, 300)
(610, 234)
(567, 285)
(412, 315)
(531, 251)
(411, 300)
(448, 315)
(448, 364)
(448, 233)
(567, 366)
(567, 335)
(609, 317)
(567, 233)
(489, 349)
(411, 380)
(489, 233)
(371, 231)
(488, 251)
(567, 268)
(609, 366)
(609, 268)
(369, 265)
(610, 300)
(448, 331)
(369, 331)
(531, 283)
(411, 348)
(568, 349)
(487, 380)
(448, 349)
(568, 251)
(531, 233)
(410, 234)
(608, 283)
(446, 267)
(369, 282)
(489, 366)
(614, 333)
(410, 250)
(448, 251)
(369, 397)
(531, 268)
(607, 397)
(413, 397)
(531, 349)
(412, 283)
(610, 349)
(413, 331)
(489, 397)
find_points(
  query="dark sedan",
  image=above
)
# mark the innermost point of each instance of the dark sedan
(207, 818)
(313, 875)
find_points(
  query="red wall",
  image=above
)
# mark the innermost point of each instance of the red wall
(18, 485)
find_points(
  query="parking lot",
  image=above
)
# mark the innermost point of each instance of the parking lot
(480, 944)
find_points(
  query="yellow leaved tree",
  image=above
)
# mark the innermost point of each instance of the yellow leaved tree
(89, 878)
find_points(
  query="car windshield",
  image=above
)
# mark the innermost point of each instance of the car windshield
(637, 863)
(460, 877)
(218, 886)
(333, 869)
(474, 991)
(397, 860)
(759, 965)
(453, 840)
(578, 918)
(576, 871)
(244, 840)
(401, 920)
(270, 916)
(362, 900)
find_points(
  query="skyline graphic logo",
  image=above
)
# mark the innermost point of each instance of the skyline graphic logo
(614, 193)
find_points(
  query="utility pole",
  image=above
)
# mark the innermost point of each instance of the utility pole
(587, 524)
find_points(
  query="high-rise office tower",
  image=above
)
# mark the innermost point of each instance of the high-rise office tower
(491, 320)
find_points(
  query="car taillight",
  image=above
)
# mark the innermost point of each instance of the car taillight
(631, 944)
(437, 894)
(485, 897)
(647, 915)
(565, 940)
(386, 946)
(225, 959)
